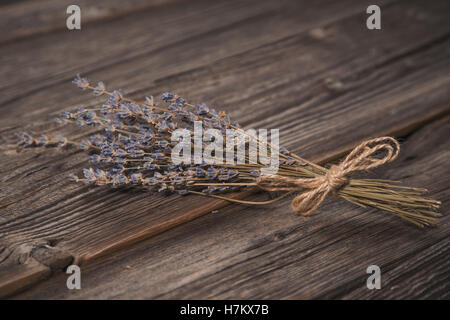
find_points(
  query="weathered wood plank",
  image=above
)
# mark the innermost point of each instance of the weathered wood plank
(19, 269)
(35, 71)
(271, 253)
(425, 275)
(26, 264)
(22, 19)
(401, 73)
(28, 66)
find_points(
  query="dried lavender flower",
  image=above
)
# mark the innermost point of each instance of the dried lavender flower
(135, 148)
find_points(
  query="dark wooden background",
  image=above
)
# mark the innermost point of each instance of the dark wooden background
(310, 68)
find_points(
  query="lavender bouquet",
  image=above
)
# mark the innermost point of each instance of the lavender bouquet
(149, 146)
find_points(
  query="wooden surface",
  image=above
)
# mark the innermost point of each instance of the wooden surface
(311, 69)
(270, 253)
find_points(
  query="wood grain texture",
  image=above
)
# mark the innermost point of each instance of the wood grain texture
(35, 71)
(20, 270)
(24, 19)
(272, 254)
(264, 62)
(209, 33)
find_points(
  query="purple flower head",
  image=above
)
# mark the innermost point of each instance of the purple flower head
(167, 96)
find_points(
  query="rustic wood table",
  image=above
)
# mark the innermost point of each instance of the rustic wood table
(310, 68)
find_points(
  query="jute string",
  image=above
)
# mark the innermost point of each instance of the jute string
(361, 158)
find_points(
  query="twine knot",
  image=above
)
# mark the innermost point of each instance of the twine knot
(334, 178)
(361, 158)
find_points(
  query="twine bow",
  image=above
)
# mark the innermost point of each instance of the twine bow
(361, 158)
